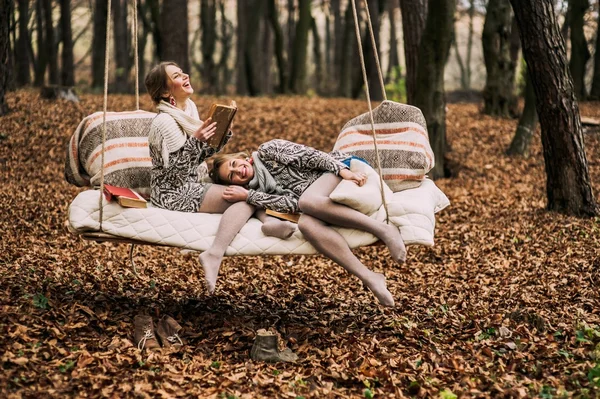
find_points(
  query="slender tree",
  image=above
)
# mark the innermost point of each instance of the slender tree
(595, 92)
(300, 48)
(174, 15)
(433, 53)
(375, 8)
(465, 65)
(42, 60)
(208, 44)
(226, 40)
(394, 58)
(50, 48)
(6, 11)
(414, 13)
(122, 45)
(579, 49)
(568, 185)
(346, 54)
(67, 75)
(22, 45)
(99, 43)
(273, 17)
(527, 123)
(499, 93)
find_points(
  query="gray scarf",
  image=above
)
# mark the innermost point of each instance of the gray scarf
(263, 181)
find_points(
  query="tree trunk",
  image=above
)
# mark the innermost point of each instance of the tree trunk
(595, 92)
(156, 28)
(394, 60)
(348, 42)
(291, 27)
(121, 43)
(467, 85)
(375, 89)
(67, 75)
(433, 53)
(318, 61)
(298, 74)
(414, 13)
(273, 17)
(6, 11)
(226, 39)
(208, 44)
(174, 33)
(50, 43)
(99, 43)
(42, 57)
(579, 50)
(498, 94)
(568, 183)
(242, 22)
(142, 42)
(22, 53)
(338, 38)
(527, 123)
(265, 57)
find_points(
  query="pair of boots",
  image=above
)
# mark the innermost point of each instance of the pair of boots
(167, 330)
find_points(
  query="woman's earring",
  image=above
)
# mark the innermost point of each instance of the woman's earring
(172, 101)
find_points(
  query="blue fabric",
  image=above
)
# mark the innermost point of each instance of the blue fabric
(351, 157)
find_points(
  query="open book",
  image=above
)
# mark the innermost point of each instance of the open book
(223, 115)
(126, 197)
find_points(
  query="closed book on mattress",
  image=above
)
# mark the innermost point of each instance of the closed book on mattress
(126, 197)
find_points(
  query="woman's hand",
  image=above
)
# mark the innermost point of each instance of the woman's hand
(359, 178)
(206, 131)
(235, 194)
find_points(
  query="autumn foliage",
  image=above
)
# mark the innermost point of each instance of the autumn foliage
(505, 304)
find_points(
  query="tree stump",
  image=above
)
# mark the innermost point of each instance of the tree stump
(54, 92)
(266, 349)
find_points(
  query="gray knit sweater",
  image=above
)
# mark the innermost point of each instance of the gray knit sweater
(294, 167)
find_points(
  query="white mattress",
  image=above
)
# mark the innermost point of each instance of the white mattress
(413, 211)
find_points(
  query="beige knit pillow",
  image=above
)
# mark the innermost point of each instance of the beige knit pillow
(402, 140)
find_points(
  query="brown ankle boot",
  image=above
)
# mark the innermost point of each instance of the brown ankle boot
(143, 333)
(168, 331)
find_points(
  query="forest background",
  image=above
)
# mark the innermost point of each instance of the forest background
(505, 304)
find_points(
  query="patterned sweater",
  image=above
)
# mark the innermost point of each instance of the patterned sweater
(174, 183)
(294, 167)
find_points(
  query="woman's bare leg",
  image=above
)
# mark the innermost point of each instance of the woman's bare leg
(274, 227)
(235, 215)
(331, 244)
(316, 202)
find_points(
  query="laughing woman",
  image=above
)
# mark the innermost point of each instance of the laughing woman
(290, 177)
(178, 146)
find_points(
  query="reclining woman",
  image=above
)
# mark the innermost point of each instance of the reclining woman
(177, 143)
(289, 177)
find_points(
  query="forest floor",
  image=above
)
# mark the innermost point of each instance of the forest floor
(505, 304)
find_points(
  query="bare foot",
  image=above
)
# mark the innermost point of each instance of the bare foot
(211, 264)
(378, 287)
(393, 240)
(279, 228)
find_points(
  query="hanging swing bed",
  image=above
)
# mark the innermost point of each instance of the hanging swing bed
(112, 148)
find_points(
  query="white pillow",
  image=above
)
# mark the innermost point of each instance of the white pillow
(365, 199)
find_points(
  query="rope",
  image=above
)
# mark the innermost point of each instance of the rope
(135, 56)
(374, 45)
(364, 72)
(106, 59)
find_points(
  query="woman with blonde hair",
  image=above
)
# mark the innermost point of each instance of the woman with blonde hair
(290, 177)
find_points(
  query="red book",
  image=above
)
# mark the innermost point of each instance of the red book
(126, 197)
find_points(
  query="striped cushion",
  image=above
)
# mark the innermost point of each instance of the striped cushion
(127, 161)
(402, 141)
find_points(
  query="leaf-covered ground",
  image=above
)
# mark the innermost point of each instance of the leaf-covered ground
(505, 304)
